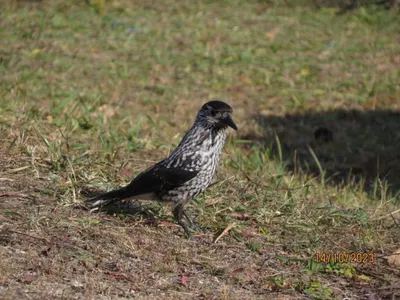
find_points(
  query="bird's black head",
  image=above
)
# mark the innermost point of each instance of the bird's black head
(216, 114)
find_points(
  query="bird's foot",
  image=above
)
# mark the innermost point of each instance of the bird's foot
(178, 214)
(192, 224)
(185, 228)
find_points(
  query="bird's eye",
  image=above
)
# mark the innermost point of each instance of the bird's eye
(216, 114)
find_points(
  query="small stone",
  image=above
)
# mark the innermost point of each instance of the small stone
(76, 284)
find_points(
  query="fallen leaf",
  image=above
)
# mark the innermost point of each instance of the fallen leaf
(184, 279)
(36, 51)
(167, 224)
(28, 278)
(196, 261)
(304, 72)
(248, 233)
(270, 35)
(237, 89)
(238, 270)
(394, 259)
(245, 80)
(107, 110)
(395, 59)
(241, 216)
(371, 104)
(126, 172)
(117, 276)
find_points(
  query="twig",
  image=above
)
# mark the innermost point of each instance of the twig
(13, 194)
(395, 221)
(18, 169)
(226, 230)
(389, 215)
(29, 235)
(117, 275)
(6, 179)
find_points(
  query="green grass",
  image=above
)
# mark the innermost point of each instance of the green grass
(90, 96)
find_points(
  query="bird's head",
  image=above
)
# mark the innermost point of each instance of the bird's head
(216, 115)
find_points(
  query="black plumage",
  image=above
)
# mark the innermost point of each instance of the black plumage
(187, 171)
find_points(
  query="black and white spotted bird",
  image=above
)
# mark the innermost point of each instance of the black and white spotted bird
(189, 169)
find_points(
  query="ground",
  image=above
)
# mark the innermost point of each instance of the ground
(94, 92)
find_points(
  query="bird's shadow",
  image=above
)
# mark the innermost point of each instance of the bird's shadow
(349, 145)
(127, 208)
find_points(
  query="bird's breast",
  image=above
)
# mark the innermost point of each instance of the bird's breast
(210, 152)
(200, 154)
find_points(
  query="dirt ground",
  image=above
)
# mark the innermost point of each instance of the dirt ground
(94, 92)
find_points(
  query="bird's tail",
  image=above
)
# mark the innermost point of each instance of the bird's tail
(106, 198)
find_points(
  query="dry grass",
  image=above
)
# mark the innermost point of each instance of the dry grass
(92, 95)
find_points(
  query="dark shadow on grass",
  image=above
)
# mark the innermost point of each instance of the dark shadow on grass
(128, 208)
(350, 145)
(132, 208)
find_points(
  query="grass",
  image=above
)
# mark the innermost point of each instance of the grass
(93, 94)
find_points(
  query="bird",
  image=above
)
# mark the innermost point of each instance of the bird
(186, 172)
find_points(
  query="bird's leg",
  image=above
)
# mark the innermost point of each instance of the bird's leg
(190, 220)
(178, 213)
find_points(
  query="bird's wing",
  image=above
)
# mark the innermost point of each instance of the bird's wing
(158, 178)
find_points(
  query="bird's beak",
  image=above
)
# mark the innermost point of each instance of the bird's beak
(228, 121)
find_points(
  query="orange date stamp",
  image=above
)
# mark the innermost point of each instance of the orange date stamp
(345, 257)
